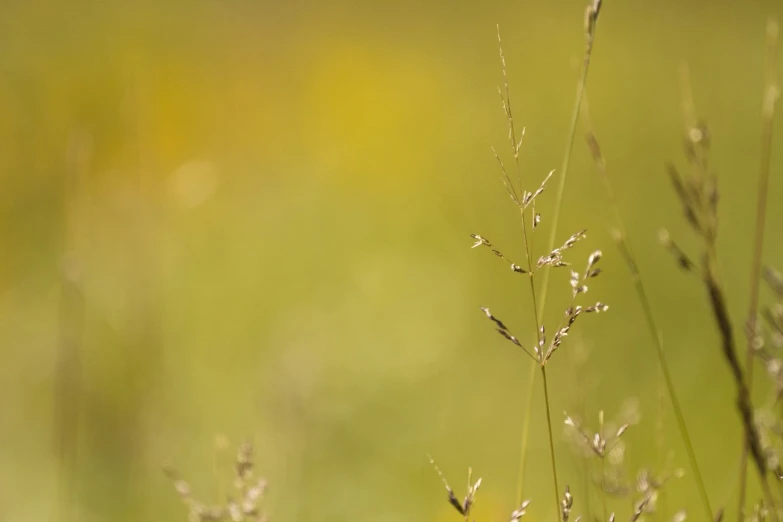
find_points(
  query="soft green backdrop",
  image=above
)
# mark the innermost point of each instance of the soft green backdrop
(250, 219)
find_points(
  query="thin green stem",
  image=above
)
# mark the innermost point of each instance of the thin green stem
(652, 325)
(529, 256)
(533, 365)
(580, 89)
(603, 486)
(587, 488)
(661, 443)
(768, 113)
(551, 441)
(532, 376)
(679, 417)
(531, 381)
(678, 414)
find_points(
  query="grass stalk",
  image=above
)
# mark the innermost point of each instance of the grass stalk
(551, 441)
(591, 19)
(768, 112)
(603, 482)
(744, 403)
(699, 200)
(531, 381)
(652, 325)
(515, 145)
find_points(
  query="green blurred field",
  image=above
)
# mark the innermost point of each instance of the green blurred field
(252, 219)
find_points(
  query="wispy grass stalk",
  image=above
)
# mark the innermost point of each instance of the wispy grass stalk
(630, 259)
(591, 19)
(698, 194)
(600, 444)
(246, 502)
(771, 93)
(515, 145)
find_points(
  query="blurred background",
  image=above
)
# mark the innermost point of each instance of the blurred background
(228, 220)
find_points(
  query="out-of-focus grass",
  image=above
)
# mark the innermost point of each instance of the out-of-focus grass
(268, 229)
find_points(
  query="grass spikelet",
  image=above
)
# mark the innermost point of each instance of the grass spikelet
(244, 507)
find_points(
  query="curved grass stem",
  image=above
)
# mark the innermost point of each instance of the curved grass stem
(768, 113)
(655, 332)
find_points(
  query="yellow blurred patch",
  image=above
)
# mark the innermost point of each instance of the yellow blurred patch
(372, 110)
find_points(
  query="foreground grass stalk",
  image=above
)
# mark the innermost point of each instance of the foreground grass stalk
(771, 93)
(652, 325)
(515, 145)
(591, 19)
